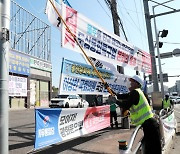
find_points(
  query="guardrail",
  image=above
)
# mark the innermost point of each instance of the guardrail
(128, 149)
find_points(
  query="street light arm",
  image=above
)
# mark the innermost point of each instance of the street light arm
(163, 4)
(174, 76)
(165, 13)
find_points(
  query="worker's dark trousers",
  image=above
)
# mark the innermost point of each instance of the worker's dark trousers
(113, 114)
(152, 136)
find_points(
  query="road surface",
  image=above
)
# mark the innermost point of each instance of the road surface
(22, 135)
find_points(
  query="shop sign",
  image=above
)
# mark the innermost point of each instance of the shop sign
(18, 63)
(41, 65)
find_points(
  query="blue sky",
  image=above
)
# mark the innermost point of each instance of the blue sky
(132, 15)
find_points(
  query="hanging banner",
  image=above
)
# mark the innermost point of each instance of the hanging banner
(52, 15)
(101, 44)
(169, 127)
(102, 64)
(79, 78)
(57, 125)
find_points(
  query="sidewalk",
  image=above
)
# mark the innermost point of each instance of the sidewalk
(110, 145)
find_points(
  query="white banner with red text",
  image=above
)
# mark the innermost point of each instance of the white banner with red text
(101, 44)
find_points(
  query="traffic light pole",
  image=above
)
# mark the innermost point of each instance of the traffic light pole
(159, 59)
(151, 46)
(148, 18)
(4, 75)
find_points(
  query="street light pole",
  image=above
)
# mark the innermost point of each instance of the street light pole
(4, 75)
(148, 17)
(159, 60)
(151, 46)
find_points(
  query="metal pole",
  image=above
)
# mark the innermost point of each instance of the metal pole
(151, 46)
(4, 75)
(159, 60)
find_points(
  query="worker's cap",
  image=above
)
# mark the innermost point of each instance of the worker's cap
(137, 79)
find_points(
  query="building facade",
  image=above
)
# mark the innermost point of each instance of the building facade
(30, 68)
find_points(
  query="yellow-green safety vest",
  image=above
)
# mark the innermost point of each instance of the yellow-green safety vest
(142, 111)
(166, 104)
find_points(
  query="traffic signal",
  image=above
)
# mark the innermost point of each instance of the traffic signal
(160, 44)
(164, 33)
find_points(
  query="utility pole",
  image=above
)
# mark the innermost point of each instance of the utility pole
(115, 17)
(125, 120)
(4, 75)
(151, 46)
(113, 5)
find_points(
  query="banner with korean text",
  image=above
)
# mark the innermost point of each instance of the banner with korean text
(79, 78)
(17, 86)
(101, 44)
(169, 127)
(57, 125)
(19, 63)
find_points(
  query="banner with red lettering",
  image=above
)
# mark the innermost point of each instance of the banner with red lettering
(57, 125)
(101, 44)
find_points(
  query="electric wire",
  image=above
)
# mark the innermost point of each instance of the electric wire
(133, 21)
(144, 25)
(138, 22)
(170, 42)
(127, 31)
(104, 10)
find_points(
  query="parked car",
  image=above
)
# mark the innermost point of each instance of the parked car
(85, 104)
(173, 98)
(67, 101)
(177, 100)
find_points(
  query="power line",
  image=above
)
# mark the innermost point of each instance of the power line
(133, 20)
(138, 20)
(171, 42)
(104, 9)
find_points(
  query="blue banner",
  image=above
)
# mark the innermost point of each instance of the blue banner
(79, 78)
(46, 127)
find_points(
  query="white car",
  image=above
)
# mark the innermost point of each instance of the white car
(172, 98)
(177, 100)
(67, 101)
(85, 104)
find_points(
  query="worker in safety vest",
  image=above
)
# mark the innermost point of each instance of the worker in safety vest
(140, 114)
(167, 102)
